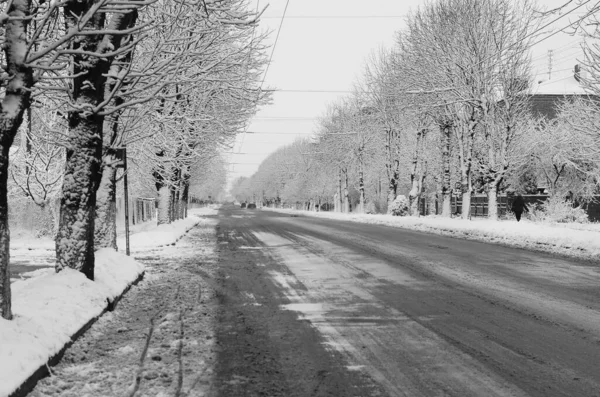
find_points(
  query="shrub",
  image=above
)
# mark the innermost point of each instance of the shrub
(370, 208)
(557, 209)
(400, 206)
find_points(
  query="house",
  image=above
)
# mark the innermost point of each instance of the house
(547, 95)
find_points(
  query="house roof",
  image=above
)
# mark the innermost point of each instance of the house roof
(562, 86)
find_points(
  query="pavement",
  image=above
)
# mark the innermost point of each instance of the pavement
(315, 307)
(159, 340)
(300, 306)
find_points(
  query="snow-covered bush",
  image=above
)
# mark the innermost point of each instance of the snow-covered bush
(557, 209)
(371, 208)
(400, 206)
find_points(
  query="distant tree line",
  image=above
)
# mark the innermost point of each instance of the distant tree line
(447, 111)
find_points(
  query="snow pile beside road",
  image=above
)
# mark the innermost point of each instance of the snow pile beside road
(51, 308)
(569, 239)
(167, 234)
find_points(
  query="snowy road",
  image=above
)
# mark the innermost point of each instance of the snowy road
(313, 307)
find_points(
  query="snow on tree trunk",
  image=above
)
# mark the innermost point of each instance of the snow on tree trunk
(339, 203)
(392, 165)
(105, 224)
(75, 238)
(16, 99)
(172, 205)
(493, 203)
(413, 198)
(446, 131)
(185, 195)
(361, 180)
(346, 196)
(466, 205)
(393, 183)
(417, 174)
(164, 205)
(361, 189)
(465, 134)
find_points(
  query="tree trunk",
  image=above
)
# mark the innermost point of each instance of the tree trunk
(16, 99)
(417, 174)
(361, 188)
(185, 193)
(466, 205)
(346, 196)
(392, 167)
(105, 224)
(465, 135)
(432, 200)
(493, 198)
(340, 200)
(493, 203)
(5, 295)
(75, 238)
(446, 130)
(393, 183)
(467, 191)
(164, 205)
(172, 205)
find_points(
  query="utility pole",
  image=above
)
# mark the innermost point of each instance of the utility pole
(122, 156)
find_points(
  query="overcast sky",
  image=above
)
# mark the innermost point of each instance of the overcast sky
(321, 52)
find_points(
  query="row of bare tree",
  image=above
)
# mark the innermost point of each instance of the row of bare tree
(447, 110)
(170, 81)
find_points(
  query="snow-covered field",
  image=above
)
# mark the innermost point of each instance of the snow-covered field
(578, 240)
(49, 308)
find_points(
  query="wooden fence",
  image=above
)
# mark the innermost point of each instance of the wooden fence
(140, 210)
(479, 205)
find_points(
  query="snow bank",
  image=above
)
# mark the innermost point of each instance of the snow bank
(167, 234)
(51, 308)
(577, 240)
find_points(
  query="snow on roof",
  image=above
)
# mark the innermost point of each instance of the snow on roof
(562, 86)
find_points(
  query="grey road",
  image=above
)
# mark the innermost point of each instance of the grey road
(315, 307)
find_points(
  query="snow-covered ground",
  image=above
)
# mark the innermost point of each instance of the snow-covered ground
(49, 308)
(166, 234)
(578, 240)
(35, 253)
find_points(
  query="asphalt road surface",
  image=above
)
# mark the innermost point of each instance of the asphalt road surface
(315, 307)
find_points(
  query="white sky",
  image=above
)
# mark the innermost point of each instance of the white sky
(323, 46)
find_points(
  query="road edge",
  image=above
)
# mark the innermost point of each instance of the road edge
(520, 242)
(43, 371)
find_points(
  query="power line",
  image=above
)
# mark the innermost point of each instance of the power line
(285, 118)
(251, 154)
(338, 17)
(278, 133)
(246, 126)
(523, 39)
(314, 91)
(287, 3)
